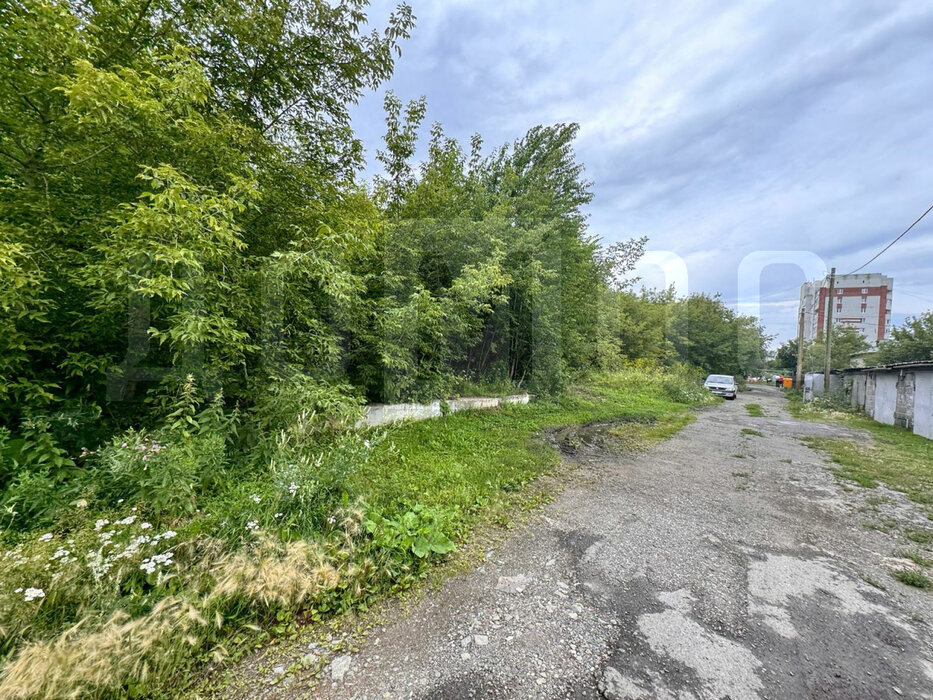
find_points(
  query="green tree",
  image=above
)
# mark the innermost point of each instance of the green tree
(910, 342)
(786, 356)
(847, 342)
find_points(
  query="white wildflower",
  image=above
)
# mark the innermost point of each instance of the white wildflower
(252, 526)
(145, 526)
(278, 515)
(46, 537)
(33, 593)
(255, 498)
(99, 525)
(156, 561)
(128, 520)
(293, 487)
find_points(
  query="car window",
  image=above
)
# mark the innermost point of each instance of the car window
(719, 379)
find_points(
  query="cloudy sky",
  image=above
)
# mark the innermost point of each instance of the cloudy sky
(718, 129)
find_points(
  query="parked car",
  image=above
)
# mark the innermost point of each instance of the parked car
(722, 385)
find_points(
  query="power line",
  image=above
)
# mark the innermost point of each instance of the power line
(903, 233)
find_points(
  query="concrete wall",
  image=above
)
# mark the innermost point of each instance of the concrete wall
(904, 406)
(383, 414)
(813, 385)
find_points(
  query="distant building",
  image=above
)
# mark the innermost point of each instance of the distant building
(862, 301)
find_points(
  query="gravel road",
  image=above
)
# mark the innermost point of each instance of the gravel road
(719, 564)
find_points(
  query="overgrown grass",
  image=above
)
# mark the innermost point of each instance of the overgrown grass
(122, 612)
(754, 410)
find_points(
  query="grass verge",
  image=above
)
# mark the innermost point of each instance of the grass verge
(155, 608)
(892, 456)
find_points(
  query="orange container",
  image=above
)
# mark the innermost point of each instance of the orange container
(788, 382)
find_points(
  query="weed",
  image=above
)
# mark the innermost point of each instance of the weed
(321, 521)
(739, 456)
(752, 431)
(912, 577)
(741, 474)
(915, 557)
(919, 536)
(754, 410)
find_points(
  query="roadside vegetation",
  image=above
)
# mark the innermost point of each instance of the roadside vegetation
(754, 410)
(895, 457)
(110, 603)
(199, 294)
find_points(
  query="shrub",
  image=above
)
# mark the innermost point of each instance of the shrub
(37, 469)
(170, 467)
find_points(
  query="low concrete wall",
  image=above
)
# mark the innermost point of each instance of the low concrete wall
(383, 414)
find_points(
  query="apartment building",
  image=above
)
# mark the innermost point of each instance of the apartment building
(862, 301)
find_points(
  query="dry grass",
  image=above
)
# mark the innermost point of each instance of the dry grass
(106, 659)
(275, 576)
(80, 662)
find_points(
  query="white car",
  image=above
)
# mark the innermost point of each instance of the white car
(722, 385)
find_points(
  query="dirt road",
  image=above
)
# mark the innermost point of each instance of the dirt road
(719, 564)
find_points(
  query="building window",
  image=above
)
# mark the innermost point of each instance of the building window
(864, 308)
(838, 307)
(864, 290)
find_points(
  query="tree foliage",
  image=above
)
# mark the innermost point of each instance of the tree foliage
(847, 343)
(911, 342)
(181, 205)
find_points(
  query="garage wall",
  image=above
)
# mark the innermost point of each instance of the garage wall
(885, 398)
(923, 404)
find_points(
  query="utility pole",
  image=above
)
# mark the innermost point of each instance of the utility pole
(828, 338)
(798, 375)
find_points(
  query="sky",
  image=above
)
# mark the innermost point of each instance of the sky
(723, 131)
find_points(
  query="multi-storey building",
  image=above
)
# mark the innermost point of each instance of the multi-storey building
(862, 301)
